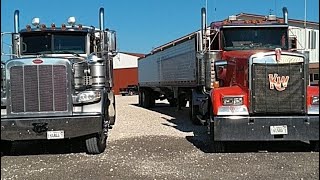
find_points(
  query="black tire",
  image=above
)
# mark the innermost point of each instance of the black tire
(130, 93)
(96, 144)
(218, 146)
(152, 101)
(145, 99)
(6, 147)
(173, 102)
(314, 146)
(182, 100)
(215, 146)
(193, 111)
(112, 119)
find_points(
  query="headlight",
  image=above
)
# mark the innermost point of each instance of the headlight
(87, 97)
(232, 101)
(315, 100)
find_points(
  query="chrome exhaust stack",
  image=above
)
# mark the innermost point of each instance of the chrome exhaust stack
(285, 15)
(203, 27)
(101, 19)
(16, 21)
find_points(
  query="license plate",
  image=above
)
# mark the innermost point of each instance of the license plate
(55, 134)
(278, 130)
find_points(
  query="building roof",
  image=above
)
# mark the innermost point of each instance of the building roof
(134, 54)
(290, 20)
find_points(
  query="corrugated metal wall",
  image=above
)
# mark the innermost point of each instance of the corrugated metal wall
(124, 77)
(305, 39)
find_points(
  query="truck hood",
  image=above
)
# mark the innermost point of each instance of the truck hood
(243, 54)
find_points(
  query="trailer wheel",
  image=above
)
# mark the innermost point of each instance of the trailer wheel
(152, 101)
(145, 99)
(96, 144)
(130, 93)
(173, 102)
(6, 147)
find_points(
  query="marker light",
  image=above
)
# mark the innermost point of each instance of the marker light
(71, 20)
(35, 21)
(43, 27)
(63, 27)
(28, 27)
(53, 26)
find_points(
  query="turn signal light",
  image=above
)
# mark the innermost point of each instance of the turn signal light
(216, 84)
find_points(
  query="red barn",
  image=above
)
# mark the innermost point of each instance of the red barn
(125, 70)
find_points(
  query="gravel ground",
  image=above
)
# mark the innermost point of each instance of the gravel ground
(158, 144)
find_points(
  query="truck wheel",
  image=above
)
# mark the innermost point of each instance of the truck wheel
(96, 144)
(112, 110)
(152, 101)
(314, 146)
(173, 102)
(6, 147)
(218, 146)
(193, 111)
(130, 93)
(145, 99)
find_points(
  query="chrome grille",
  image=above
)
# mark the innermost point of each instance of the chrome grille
(272, 101)
(38, 88)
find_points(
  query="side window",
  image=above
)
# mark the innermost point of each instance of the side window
(215, 41)
(293, 42)
(312, 39)
(311, 77)
(221, 72)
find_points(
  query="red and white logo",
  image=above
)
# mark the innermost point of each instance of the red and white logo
(37, 61)
(278, 82)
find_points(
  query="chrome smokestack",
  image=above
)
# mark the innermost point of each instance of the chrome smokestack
(16, 21)
(203, 23)
(285, 15)
(101, 19)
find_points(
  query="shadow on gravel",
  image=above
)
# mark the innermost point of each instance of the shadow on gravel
(66, 146)
(180, 121)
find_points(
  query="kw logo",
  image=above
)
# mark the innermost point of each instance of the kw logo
(280, 83)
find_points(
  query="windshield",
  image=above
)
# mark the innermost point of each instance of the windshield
(244, 38)
(49, 43)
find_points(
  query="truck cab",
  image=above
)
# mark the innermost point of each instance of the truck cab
(57, 83)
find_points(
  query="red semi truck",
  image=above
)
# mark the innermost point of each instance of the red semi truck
(242, 79)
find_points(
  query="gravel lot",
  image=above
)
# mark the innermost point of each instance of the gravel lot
(159, 143)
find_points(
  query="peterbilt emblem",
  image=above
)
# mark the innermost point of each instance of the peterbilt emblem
(37, 61)
(278, 82)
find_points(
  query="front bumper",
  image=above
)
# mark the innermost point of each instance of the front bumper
(248, 128)
(37, 128)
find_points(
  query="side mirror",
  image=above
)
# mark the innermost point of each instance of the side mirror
(111, 41)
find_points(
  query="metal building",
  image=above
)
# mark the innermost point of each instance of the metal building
(125, 70)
